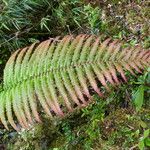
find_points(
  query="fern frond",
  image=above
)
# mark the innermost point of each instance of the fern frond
(57, 75)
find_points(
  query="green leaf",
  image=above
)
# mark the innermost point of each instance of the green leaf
(1, 62)
(141, 145)
(139, 97)
(146, 133)
(143, 124)
(147, 142)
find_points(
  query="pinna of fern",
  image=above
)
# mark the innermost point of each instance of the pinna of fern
(56, 75)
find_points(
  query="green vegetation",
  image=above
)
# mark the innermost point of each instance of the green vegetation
(121, 121)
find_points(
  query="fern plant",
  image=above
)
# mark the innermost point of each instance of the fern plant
(58, 74)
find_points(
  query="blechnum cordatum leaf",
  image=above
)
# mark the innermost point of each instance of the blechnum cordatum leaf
(58, 74)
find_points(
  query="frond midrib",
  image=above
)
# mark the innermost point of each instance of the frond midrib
(63, 68)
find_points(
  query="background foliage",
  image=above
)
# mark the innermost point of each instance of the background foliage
(122, 121)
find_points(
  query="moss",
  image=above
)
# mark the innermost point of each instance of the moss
(85, 130)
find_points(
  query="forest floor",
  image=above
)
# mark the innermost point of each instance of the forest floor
(111, 124)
